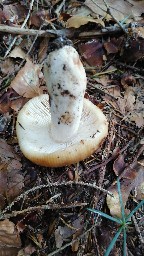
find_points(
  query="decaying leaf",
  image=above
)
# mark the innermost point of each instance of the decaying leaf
(17, 104)
(9, 238)
(77, 21)
(134, 50)
(17, 52)
(119, 165)
(63, 233)
(4, 122)
(114, 45)
(120, 9)
(26, 82)
(7, 66)
(127, 80)
(11, 180)
(131, 107)
(132, 177)
(92, 52)
(27, 251)
(12, 13)
(43, 50)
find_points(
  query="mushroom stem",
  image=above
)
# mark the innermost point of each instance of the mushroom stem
(66, 81)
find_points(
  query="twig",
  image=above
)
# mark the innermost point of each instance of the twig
(41, 207)
(34, 32)
(121, 64)
(23, 25)
(55, 184)
(101, 90)
(110, 13)
(10, 76)
(63, 32)
(138, 230)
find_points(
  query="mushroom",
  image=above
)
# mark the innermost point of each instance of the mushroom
(64, 127)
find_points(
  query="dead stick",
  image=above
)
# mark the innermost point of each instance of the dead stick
(33, 32)
(42, 207)
(55, 184)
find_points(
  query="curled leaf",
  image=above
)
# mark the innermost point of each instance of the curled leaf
(77, 21)
(26, 82)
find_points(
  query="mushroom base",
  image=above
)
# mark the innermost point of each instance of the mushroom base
(33, 132)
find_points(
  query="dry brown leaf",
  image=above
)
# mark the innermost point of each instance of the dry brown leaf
(7, 66)
(62, 233)
(11, 180)
(127, 80)
(114, 45)
(17, 52)
(26, 82)
(43, 50)
(8, 234)
(17, 104)
(92, 52)
(77, 21)
(119, 165)
(132, 177)
(4, 122)
(27, 251)
(119, 8)
(12, 13)
(131, 107)
(134, 50)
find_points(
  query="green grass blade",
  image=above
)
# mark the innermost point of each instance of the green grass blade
(111, 245)
(105, 215)
(121, 200)
(134, 210)
(124, 242)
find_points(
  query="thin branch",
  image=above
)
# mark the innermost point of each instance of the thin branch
(23, 25)
(41, 207)
(138, 230)
(64, 32)
(34, 32)
(114, 18)
(55, 184)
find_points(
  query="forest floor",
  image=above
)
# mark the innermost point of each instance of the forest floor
(50, 211)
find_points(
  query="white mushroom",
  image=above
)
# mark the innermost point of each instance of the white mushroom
(64, 128)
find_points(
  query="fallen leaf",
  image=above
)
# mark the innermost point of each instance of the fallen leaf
(17, 52)
(77, 21)
(17, 104)
(119, 165)
(4, 122)
(37, 18)
(134, 50)
(114, 45)
(12, 13)
(132, 177)
(43, 50)
(11, 180)
(62, 233)
(119, 9)
(127, 80)
(7, 66)
(9, 236)
(92, 52)
(26, 82)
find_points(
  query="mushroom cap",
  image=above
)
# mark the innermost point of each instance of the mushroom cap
(36, 143)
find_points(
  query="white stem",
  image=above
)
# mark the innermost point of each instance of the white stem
(66, 81)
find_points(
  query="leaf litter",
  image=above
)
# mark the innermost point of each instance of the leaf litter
(114, 65)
